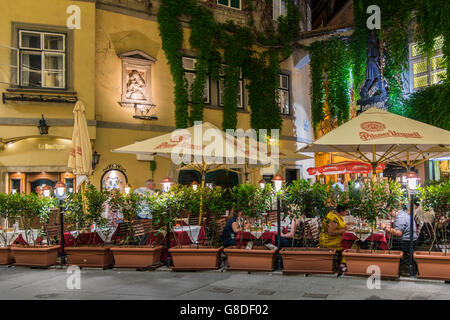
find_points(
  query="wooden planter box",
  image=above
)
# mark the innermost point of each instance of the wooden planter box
(95, 257)
(258, 259)
(136, 256)
(195, 258)
(433, 265)
(6, 256)
(307, 260)
(359, 260)
(38, 256)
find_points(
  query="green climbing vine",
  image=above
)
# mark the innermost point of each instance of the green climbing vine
(237, 44)
(331, 57)
(402, 21)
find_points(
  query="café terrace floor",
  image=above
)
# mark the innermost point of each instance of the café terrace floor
(113, 284)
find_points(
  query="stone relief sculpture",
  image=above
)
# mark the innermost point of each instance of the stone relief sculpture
(135, 86)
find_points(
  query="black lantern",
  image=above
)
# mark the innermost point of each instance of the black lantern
(43, 127)
(95, 159)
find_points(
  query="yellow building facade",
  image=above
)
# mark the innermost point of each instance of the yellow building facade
(55, 52)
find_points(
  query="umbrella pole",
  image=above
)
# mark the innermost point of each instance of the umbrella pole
(203, 173)
(374, 164)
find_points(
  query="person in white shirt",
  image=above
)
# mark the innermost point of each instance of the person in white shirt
(148, 190)
(339, 184)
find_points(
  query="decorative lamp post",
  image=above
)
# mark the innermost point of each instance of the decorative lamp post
(262, 184)
(413, 183)
(43, 127)
(166, 184)
(60, 193)
(278, 185)
(127, 189)
(194, 185)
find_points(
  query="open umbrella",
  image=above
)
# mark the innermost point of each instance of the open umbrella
(377, 136)
(80, 156)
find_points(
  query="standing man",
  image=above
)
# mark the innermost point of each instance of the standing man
(148, 190)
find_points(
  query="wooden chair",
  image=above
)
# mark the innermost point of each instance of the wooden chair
(122, 231)
(52, 232)
(141, 229)
(273, 217)
(194, 220)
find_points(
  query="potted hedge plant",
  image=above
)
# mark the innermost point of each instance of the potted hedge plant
(166, 209)
(436, 265)
(131, 253)
(207, 255)
(7, 213)
(33, 209)
(374, 200)
(310, 201)
(252, 202)
(90, 254)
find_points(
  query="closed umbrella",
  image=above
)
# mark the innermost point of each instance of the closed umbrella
(80, 156)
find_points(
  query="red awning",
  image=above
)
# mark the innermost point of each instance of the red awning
(344, 167)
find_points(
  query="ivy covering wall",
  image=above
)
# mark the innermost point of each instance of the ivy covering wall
(256, 53)
(402, 22)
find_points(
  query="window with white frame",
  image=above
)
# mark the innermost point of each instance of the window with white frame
(42, 59)
(189, 74)
(221, 88)
(283, 94)
(422, 73)
(279, 8)
(236, 4)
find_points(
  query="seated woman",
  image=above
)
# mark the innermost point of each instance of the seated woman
(333, 227)
(231, 229)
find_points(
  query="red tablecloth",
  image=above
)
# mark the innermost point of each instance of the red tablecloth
(348, 238)
(243, 237)
(88, 238)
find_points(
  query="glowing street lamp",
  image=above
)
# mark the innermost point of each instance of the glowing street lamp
(194, 185)
(166, 184)
(262, 184)
(278, 182)
(127, 189)
(413, 180)
(47, 191)
(60, 190)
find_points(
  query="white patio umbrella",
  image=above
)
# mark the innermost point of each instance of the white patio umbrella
(80, 156)
(377, 136)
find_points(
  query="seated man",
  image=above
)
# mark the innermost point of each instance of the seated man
(401, 232)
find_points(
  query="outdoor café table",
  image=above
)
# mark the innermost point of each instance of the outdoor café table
(21, 236)
(243, 237)
(349, 237)
(185, 235)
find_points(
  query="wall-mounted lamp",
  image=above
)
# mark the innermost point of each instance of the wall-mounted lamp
(43, 127)
(95, 159)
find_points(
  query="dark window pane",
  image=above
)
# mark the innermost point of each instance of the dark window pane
(235, 4)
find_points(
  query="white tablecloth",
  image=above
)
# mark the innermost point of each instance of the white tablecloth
(192, 231)
(12, 236)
